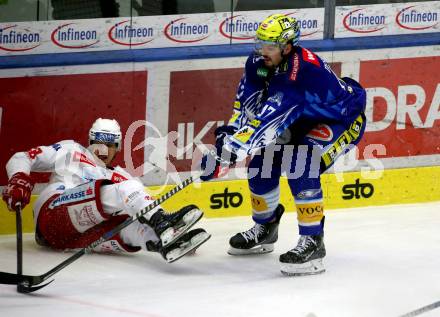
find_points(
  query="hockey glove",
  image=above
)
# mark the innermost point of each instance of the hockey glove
(18, 191)
(216, 163)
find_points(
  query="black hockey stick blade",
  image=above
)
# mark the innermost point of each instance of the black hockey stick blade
(14, 279)
(25, 283)
(22, 288)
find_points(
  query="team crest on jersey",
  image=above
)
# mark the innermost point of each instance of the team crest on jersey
(321, 132)
(86, 217)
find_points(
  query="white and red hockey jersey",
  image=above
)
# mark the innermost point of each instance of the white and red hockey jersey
(70, 165)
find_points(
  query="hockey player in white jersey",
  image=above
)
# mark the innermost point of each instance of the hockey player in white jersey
(87, 197)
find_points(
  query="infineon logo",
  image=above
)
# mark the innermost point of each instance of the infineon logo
(14, 38)
(360, 22)
(307, 26)
(72, 36)
(412, 18)
(238, 28)
(123, 33)
(181, 31)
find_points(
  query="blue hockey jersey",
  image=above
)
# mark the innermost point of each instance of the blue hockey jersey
(301, 87)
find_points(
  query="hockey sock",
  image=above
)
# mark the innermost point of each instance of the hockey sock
(264, 205)
(310, 214)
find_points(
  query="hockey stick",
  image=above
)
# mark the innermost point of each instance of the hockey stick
(31, 283)
(19, 232)
(422, 310)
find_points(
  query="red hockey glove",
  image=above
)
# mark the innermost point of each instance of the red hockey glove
(18, 191)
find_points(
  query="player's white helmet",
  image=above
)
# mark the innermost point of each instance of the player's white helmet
(106, 130)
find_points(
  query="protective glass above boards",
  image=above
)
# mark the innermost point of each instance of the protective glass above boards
(361, 2)
(47, 10)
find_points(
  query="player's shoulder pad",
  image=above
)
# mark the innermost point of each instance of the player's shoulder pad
(68, 145)
(255, 67)
(309, 58)
(302, 60)
(118, 169)
(61, 144)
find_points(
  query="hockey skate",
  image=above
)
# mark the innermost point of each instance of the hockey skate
(171, 226)
(257, 240)
(188, 242)
(305, 258)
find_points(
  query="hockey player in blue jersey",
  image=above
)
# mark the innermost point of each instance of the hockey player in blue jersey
(294, 116)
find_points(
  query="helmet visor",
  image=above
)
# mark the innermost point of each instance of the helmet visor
(261, 46)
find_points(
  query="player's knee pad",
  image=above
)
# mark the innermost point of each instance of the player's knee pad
(129, 187)
(133, 195)
(261, 187)
(264, 205)
(264, 171)
(310, 211)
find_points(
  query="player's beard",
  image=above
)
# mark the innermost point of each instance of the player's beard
(269, 62)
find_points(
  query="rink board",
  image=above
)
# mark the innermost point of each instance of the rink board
(354, 189)
(165, 97)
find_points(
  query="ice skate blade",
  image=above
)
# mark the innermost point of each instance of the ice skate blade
(172, 234)
(308, 268)
(258, 249)
(187, 247)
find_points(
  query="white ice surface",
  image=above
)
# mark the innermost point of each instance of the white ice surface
(381, 261)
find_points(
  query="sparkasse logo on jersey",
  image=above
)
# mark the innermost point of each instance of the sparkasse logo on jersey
(182, 30)
(125, 33)
(70, 197)
(361, 21)
(417, 18)
(74, 36)
(15, 38)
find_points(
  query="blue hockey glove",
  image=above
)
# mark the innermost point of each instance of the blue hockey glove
(217, 162)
